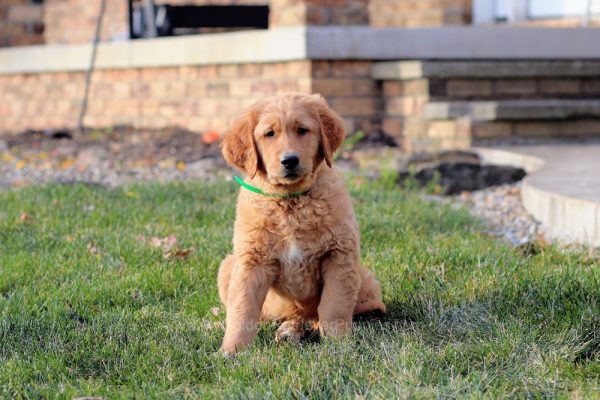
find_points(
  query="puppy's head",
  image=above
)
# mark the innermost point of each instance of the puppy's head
(283, 139)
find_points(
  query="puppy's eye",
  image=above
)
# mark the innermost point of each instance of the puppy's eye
(270, 134)
(302, 131)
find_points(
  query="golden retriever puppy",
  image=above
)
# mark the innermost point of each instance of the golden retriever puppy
(296, 244)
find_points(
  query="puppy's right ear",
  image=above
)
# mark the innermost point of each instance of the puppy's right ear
(238, 145)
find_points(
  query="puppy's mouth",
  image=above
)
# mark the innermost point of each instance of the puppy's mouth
(288, 177)
(291, 175)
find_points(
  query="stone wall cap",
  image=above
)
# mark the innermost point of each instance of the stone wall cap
(313, 43)
(403, 70)
(512, 110)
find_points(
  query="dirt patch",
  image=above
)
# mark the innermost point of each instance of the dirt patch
(457, 171)
(107, 156)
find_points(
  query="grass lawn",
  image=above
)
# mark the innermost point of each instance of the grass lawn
(87, 308)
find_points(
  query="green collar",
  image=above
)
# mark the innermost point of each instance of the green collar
(260, 191)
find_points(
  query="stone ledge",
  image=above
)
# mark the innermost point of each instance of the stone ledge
(313, 43)
(405, 70)
(513, 110)
(561, 190)
(260, 46)
(452, 43)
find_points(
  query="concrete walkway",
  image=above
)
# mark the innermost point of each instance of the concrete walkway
(562, 189)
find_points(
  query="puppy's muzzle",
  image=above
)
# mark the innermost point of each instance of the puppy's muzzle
(290, 162)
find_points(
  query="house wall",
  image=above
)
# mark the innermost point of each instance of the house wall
(74, 21)
(21, 23)
(419, 13)
(199, 98)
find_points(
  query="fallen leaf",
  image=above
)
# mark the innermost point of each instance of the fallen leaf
(166, 243)
(167, 163)
(169, 242)
(20, 164)
(132, 195)
(70, 238)
(67, 163)
(93, 249)
(24, 217)
(7, 157)
(178, 254)
(20, 183)
(121, 270)
(156, 242)
(210, 137)
(180, 165)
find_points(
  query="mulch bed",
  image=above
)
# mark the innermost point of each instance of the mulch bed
(109, 156)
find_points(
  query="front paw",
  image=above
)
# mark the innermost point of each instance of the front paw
(229, 350)
(290, 331)
(336, 328)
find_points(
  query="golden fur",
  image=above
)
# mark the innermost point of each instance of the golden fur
(294, 259)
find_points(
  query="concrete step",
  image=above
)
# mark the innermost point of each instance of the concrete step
(405, 70)
(468, 80)
(562, 189)
(513, 110)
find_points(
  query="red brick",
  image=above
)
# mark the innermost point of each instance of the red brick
(442, 129)
(350, 69)
(469, 88)
(355, 106)
(264, 87)
(400, 106)
(320, 69)
(491, 130)
(591, 86)
(362, 87)
(228, 71)
(333, 87)
(393, 126)
(560, 86)
(515, 87)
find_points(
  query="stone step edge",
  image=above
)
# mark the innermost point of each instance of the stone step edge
(512, 110)
(407, 70)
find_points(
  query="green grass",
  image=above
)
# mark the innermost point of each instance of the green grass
(88, 309)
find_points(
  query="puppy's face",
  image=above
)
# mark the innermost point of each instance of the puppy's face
(287, 136)
(284, 139)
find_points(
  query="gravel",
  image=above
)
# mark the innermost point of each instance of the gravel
(104, 175)
(502, 210)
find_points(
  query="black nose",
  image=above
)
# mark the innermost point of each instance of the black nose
(290, 162)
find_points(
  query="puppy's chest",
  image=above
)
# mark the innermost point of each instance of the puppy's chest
(299, 269)
(297, 241)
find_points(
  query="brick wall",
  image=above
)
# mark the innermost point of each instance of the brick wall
(199, 98)
(74, 21)
(318, 12)
(21, 23)
(419, 13)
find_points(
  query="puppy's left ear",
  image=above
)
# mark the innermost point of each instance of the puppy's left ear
(238, 145)
(332, 129)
